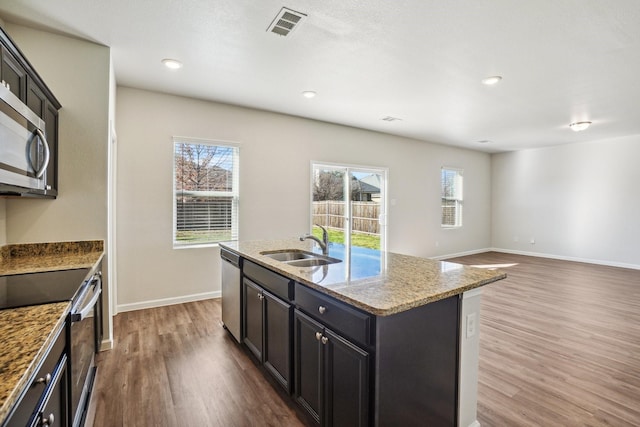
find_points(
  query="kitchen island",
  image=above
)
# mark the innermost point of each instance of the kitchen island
(377, 339)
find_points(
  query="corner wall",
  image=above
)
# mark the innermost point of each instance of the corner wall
(275, 156)
(579, 202)
(78, 73)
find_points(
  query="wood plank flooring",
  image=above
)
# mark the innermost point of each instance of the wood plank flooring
(559, 346)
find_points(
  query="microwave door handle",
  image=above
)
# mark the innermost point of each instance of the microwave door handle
(84, 312)
(47, 154)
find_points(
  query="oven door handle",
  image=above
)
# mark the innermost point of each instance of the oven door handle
(84, 311)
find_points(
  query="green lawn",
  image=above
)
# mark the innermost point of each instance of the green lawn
(206, 236)
(357, 239)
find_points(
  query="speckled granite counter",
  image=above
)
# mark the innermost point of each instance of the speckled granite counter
(381, 283)
(38, 257)
(26, 334)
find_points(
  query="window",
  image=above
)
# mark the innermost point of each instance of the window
(451, 193)
(205, 190)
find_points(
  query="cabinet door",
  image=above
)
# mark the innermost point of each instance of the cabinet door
(14, 74)
(36, 100)
(308, 367)
(346, 382)
(51, 130)
(277, 338)
(252, 331)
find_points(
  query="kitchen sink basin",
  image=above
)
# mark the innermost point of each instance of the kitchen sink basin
(313, 262)
(298, 258)
(289, 255)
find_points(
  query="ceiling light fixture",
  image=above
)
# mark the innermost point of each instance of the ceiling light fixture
(578, 126)
(484, 141)
(492, 80)
(309, 94)
(172, 64)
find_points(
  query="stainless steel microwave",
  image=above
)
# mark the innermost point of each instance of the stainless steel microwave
(24, 152)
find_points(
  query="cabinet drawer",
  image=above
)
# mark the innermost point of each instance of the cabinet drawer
(273, 282)
(29, 402)
(339, 316)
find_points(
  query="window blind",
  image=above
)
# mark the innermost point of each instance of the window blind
(205, 192)
(451, 197)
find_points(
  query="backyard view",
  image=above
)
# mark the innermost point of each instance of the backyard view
(343, 197)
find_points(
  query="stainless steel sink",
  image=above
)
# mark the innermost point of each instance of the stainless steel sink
(313, 262)
(299, 258)
(289, 255)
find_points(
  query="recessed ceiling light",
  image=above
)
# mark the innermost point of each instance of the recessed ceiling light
(390, 119)
(492, 80)
(484, 141)
(578, 126)
(309, 94)
(173, 64)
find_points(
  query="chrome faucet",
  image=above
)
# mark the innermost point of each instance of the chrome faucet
(324, 243)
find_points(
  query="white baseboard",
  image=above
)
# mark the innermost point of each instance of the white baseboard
(106, 345)
(459, 254)
(567, 258)
(167, 301)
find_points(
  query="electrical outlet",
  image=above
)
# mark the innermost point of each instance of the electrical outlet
(471, 325)
(532, 241)
(515, 239)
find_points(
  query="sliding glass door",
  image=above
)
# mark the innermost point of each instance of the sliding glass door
(350, 202)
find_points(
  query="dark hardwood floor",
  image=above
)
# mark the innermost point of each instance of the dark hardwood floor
(559, 346)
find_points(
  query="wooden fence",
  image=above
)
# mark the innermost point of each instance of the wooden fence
(330, 213)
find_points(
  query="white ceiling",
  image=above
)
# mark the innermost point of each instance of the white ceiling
(418, 60)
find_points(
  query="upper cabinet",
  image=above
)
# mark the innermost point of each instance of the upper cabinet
(23, 80)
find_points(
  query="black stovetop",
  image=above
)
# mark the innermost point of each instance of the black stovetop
(40, 288)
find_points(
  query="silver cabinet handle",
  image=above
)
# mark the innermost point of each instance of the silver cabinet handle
(325, 340)
(48, 421)
(322, 309)
(44, 380)
(318, 335)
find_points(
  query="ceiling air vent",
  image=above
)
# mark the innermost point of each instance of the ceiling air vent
(286, 21)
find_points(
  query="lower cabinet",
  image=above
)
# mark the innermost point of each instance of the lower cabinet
(44, 402)
(267, 331)
(331, 375)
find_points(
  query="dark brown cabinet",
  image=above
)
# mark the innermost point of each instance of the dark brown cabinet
(331, 375)
(45, 401)
(28, 86)
(267, 330)
(13, 74)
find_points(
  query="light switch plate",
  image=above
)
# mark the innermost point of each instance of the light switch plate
(471, 325)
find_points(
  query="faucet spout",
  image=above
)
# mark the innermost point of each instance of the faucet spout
(324, 243)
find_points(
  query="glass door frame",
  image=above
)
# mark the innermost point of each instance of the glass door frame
(349, 170)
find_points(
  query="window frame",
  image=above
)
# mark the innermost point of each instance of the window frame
(234, 194)
(458, 198)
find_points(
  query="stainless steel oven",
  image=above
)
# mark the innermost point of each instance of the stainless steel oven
(85, 335)
(83, 287)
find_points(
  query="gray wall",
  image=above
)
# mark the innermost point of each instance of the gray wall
(577, 201)
(275, 156)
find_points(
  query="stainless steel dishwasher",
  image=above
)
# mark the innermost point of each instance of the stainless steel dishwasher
(231, 293)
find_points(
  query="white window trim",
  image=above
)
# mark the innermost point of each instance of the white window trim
(235, 184)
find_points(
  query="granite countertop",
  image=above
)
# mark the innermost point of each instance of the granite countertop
(26, 334)
(380, 283)
(39, 257)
